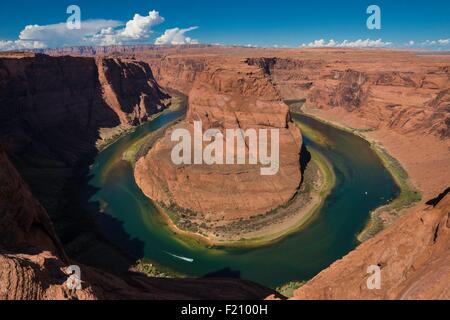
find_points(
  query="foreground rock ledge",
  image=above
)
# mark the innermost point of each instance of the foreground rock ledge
(226, 97)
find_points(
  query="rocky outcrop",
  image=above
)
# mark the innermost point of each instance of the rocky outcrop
(405, 99)
(43, 276)
(179, 73)
(291, 77)
(413, 255)
(226, 96)
(130, 89)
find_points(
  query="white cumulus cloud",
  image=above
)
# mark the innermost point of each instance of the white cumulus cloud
(7, 45)
(360, 43)
(55, 35)
(176, 36)
(93, 32)
(435, 44)
(140, 27)
(137, 29)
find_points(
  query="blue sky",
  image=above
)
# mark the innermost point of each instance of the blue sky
(242, 22)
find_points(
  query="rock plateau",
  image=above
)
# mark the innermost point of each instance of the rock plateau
(50, 121)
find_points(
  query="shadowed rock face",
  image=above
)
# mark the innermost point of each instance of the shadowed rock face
(226, 96)
(130, 89)
(33, 263)
(52, 109)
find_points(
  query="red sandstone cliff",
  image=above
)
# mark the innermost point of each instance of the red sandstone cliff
(407, 95)
(52, 109)
(177, 73)
(400, 99)
(130, 89)
(403, 99)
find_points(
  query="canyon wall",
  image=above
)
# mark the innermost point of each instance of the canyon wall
(52, 111)
(399, 90)
(33, 264)
(398, 99)
(179, 73)
(407, 95)
(24, 222)
(226, 95)
(395, 99)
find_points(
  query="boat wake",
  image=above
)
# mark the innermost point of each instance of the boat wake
(180, 257)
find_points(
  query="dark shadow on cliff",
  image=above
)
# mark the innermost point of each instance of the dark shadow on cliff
(305, 158)
(434, 202)
(138, 84)
(49, 125)
(87, 240)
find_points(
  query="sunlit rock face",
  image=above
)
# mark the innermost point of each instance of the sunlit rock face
(231, 95)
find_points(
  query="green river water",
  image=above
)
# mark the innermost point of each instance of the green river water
(362, 184)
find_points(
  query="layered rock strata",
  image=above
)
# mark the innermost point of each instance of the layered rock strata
(226, 97)
(53, 110)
